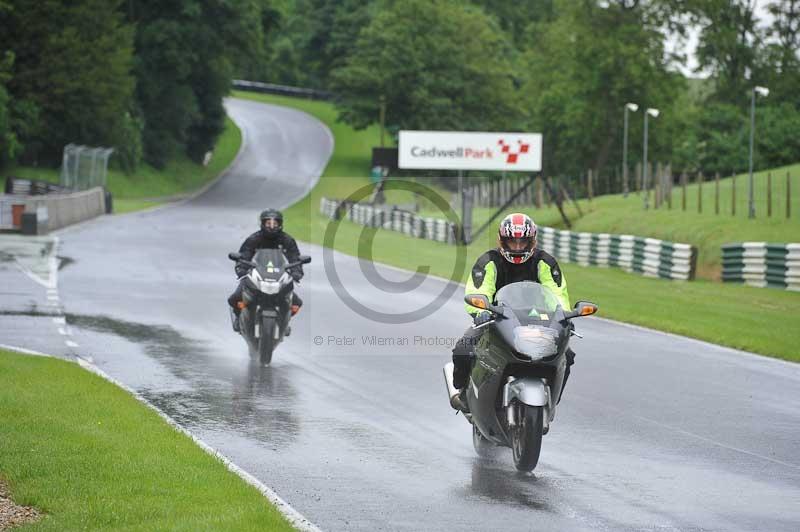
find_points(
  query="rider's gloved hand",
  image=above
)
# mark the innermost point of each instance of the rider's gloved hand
(482, 317)
(296, 275)
(241, 271)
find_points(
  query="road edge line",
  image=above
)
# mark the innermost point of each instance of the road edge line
(295, 518)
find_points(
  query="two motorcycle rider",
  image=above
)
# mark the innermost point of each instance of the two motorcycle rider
(515, 259)
(270, 236)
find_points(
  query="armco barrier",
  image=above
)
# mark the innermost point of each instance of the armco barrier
(762, 264)
(404, 222)
(54, 211)
(647, 256)
(284, 90)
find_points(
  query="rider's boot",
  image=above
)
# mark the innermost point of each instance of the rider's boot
(235, 319)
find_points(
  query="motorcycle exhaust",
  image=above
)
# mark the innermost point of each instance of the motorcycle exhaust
(452, 391)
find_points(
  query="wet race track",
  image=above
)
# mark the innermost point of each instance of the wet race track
(655, 431)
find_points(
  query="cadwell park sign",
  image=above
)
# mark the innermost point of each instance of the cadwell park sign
(454, 150)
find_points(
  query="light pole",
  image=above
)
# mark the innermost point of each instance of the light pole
(762, 91)
(645, 185)
(628, 107)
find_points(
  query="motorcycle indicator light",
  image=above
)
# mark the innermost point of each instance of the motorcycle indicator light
(588, 310)
(241, 305)
(477, 302)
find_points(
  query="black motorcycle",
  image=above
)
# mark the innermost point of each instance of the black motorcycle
(516, 380)
(266, 300)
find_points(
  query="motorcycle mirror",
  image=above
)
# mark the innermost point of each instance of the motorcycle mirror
(482, 302)
(582, 308)
(234, 255)
(477, 301)
(304, 259)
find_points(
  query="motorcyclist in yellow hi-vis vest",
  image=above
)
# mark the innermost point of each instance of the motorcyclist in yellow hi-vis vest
(515, 259)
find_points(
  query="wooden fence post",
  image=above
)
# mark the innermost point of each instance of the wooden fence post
(589, 186)
(716, 193)
(700, 192)
(769, 194)
(669, 186)
(657, 186)
(539, 192)
(637, 182)
(683, 187)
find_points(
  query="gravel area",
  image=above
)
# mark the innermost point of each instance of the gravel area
(12, 514)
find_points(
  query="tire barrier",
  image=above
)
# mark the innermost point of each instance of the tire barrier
(647, 256)
(43, 213)
(762, 264)
(401, 221)
(31, 187)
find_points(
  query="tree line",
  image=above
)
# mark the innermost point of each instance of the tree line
(148, 76)
(562, 67)
(144, 76)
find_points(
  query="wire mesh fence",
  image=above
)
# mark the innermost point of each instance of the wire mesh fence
(84, 167)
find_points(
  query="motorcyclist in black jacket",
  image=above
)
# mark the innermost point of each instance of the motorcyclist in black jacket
(270, 235)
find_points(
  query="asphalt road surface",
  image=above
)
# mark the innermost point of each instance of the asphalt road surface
(350, 424)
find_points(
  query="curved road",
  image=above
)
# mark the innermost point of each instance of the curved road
(655, 431)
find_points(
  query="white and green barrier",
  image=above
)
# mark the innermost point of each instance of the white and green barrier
(647, 256)
(404, 222)
(762, 264)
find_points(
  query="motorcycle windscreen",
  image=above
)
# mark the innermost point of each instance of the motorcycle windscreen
(269, 263)
(528, 300)
(533, 305)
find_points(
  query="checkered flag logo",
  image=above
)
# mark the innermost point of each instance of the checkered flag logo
(512, 155)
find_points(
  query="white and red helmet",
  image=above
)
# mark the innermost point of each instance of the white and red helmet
(519, 229)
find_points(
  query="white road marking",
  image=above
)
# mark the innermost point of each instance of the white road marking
(70, 343)
(294, 517)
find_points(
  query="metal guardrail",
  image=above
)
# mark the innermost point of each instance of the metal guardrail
(284, 90)
(762, 264)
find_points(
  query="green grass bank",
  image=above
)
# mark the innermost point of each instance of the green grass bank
(92, 457)
(149, 186)
(765, 321)
(706, 230)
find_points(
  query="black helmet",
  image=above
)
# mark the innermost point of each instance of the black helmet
(276, 221)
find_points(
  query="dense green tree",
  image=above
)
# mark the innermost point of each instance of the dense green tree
(728, 47)
(439, 64)
(583, 67)
(516, 17)
(185, 52)
(73, 65)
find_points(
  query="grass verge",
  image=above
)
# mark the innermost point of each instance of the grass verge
(92, 457)
(765, 321)
(149, 186)
(705, 230)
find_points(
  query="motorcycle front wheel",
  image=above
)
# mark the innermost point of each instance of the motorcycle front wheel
(526, 436)
(266, 342)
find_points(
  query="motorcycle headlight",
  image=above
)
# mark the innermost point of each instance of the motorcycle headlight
(270, 287)
(535, 342)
